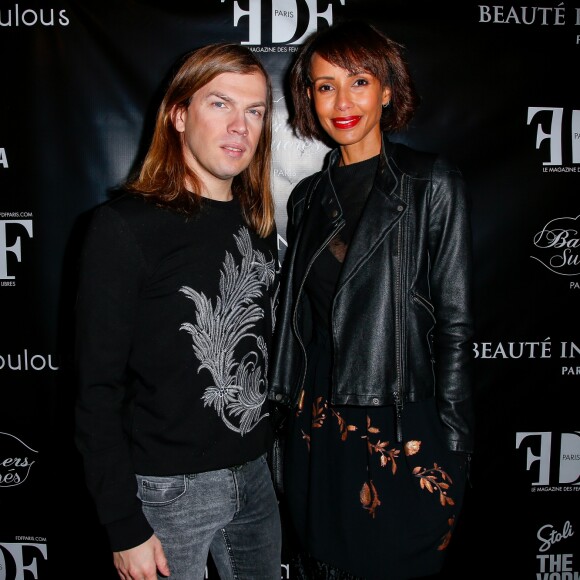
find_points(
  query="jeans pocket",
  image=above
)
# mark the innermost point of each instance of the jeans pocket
(160, 490)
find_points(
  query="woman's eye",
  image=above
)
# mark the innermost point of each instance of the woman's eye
(361, 82)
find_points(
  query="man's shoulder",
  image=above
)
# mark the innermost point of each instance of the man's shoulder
(134, 216)
(135, 210)
(128, 204)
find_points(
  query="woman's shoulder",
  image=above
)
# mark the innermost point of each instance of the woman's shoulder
(305, 185)
(301, 191)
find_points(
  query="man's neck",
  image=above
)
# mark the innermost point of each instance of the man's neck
(219, 190)
(218, 195)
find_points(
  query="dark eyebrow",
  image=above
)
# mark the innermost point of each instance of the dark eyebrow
(354, 73)
(360, 71)
(220, 96)
(224, 97)
(322, 78)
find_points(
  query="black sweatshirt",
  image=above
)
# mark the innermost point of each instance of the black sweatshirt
(174, 323)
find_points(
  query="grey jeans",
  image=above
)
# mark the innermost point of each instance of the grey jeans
(231, 513)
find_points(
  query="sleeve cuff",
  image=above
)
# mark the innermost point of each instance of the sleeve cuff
(129, 533)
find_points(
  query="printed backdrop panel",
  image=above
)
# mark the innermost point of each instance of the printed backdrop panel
(81, 84)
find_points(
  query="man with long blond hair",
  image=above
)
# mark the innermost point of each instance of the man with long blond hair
(175, 314)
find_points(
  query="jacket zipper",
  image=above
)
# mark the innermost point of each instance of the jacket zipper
(398, 338)
(424, 303)
(294, 321)
(398, 412)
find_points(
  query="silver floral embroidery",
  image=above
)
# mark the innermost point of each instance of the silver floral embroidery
(239, 388)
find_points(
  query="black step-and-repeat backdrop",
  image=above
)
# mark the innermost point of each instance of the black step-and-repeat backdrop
(80, 85)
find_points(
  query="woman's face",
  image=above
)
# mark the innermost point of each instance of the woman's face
(348, 105)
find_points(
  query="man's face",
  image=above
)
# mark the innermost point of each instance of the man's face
(221, 129)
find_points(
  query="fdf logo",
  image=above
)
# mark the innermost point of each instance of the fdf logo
(285, 22)
(19, 561)
(552, 128)
(10, 237)
(541, 446)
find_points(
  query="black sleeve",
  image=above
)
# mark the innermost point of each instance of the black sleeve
(111, 271)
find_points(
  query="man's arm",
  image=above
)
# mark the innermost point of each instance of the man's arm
(110, 275)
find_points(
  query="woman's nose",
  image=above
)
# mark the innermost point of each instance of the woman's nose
(343, 101)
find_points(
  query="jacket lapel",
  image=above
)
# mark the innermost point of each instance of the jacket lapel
(383, 209)
(321, 220)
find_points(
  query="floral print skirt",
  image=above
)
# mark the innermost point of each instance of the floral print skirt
(362, 505)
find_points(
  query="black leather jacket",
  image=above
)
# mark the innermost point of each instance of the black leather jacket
(401, 322)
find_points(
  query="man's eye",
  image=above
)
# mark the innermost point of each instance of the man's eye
(256, 112)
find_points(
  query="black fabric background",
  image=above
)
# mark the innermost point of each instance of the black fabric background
(80, 85)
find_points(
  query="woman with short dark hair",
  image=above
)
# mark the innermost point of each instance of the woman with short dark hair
(374, 330)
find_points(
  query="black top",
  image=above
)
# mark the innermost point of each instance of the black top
(352, 184)
(174, 321)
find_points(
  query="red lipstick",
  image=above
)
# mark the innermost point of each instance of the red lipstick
(346, 122)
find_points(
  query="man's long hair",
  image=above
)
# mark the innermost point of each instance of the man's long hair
(164, 172)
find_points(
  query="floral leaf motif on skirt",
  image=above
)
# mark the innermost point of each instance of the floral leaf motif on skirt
(447, 537)
(434, 479)
(382, 447)
(369, 498)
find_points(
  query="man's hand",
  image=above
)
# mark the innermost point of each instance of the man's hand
(142, 562)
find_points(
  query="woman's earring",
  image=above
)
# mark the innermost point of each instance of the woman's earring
(386, 104)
